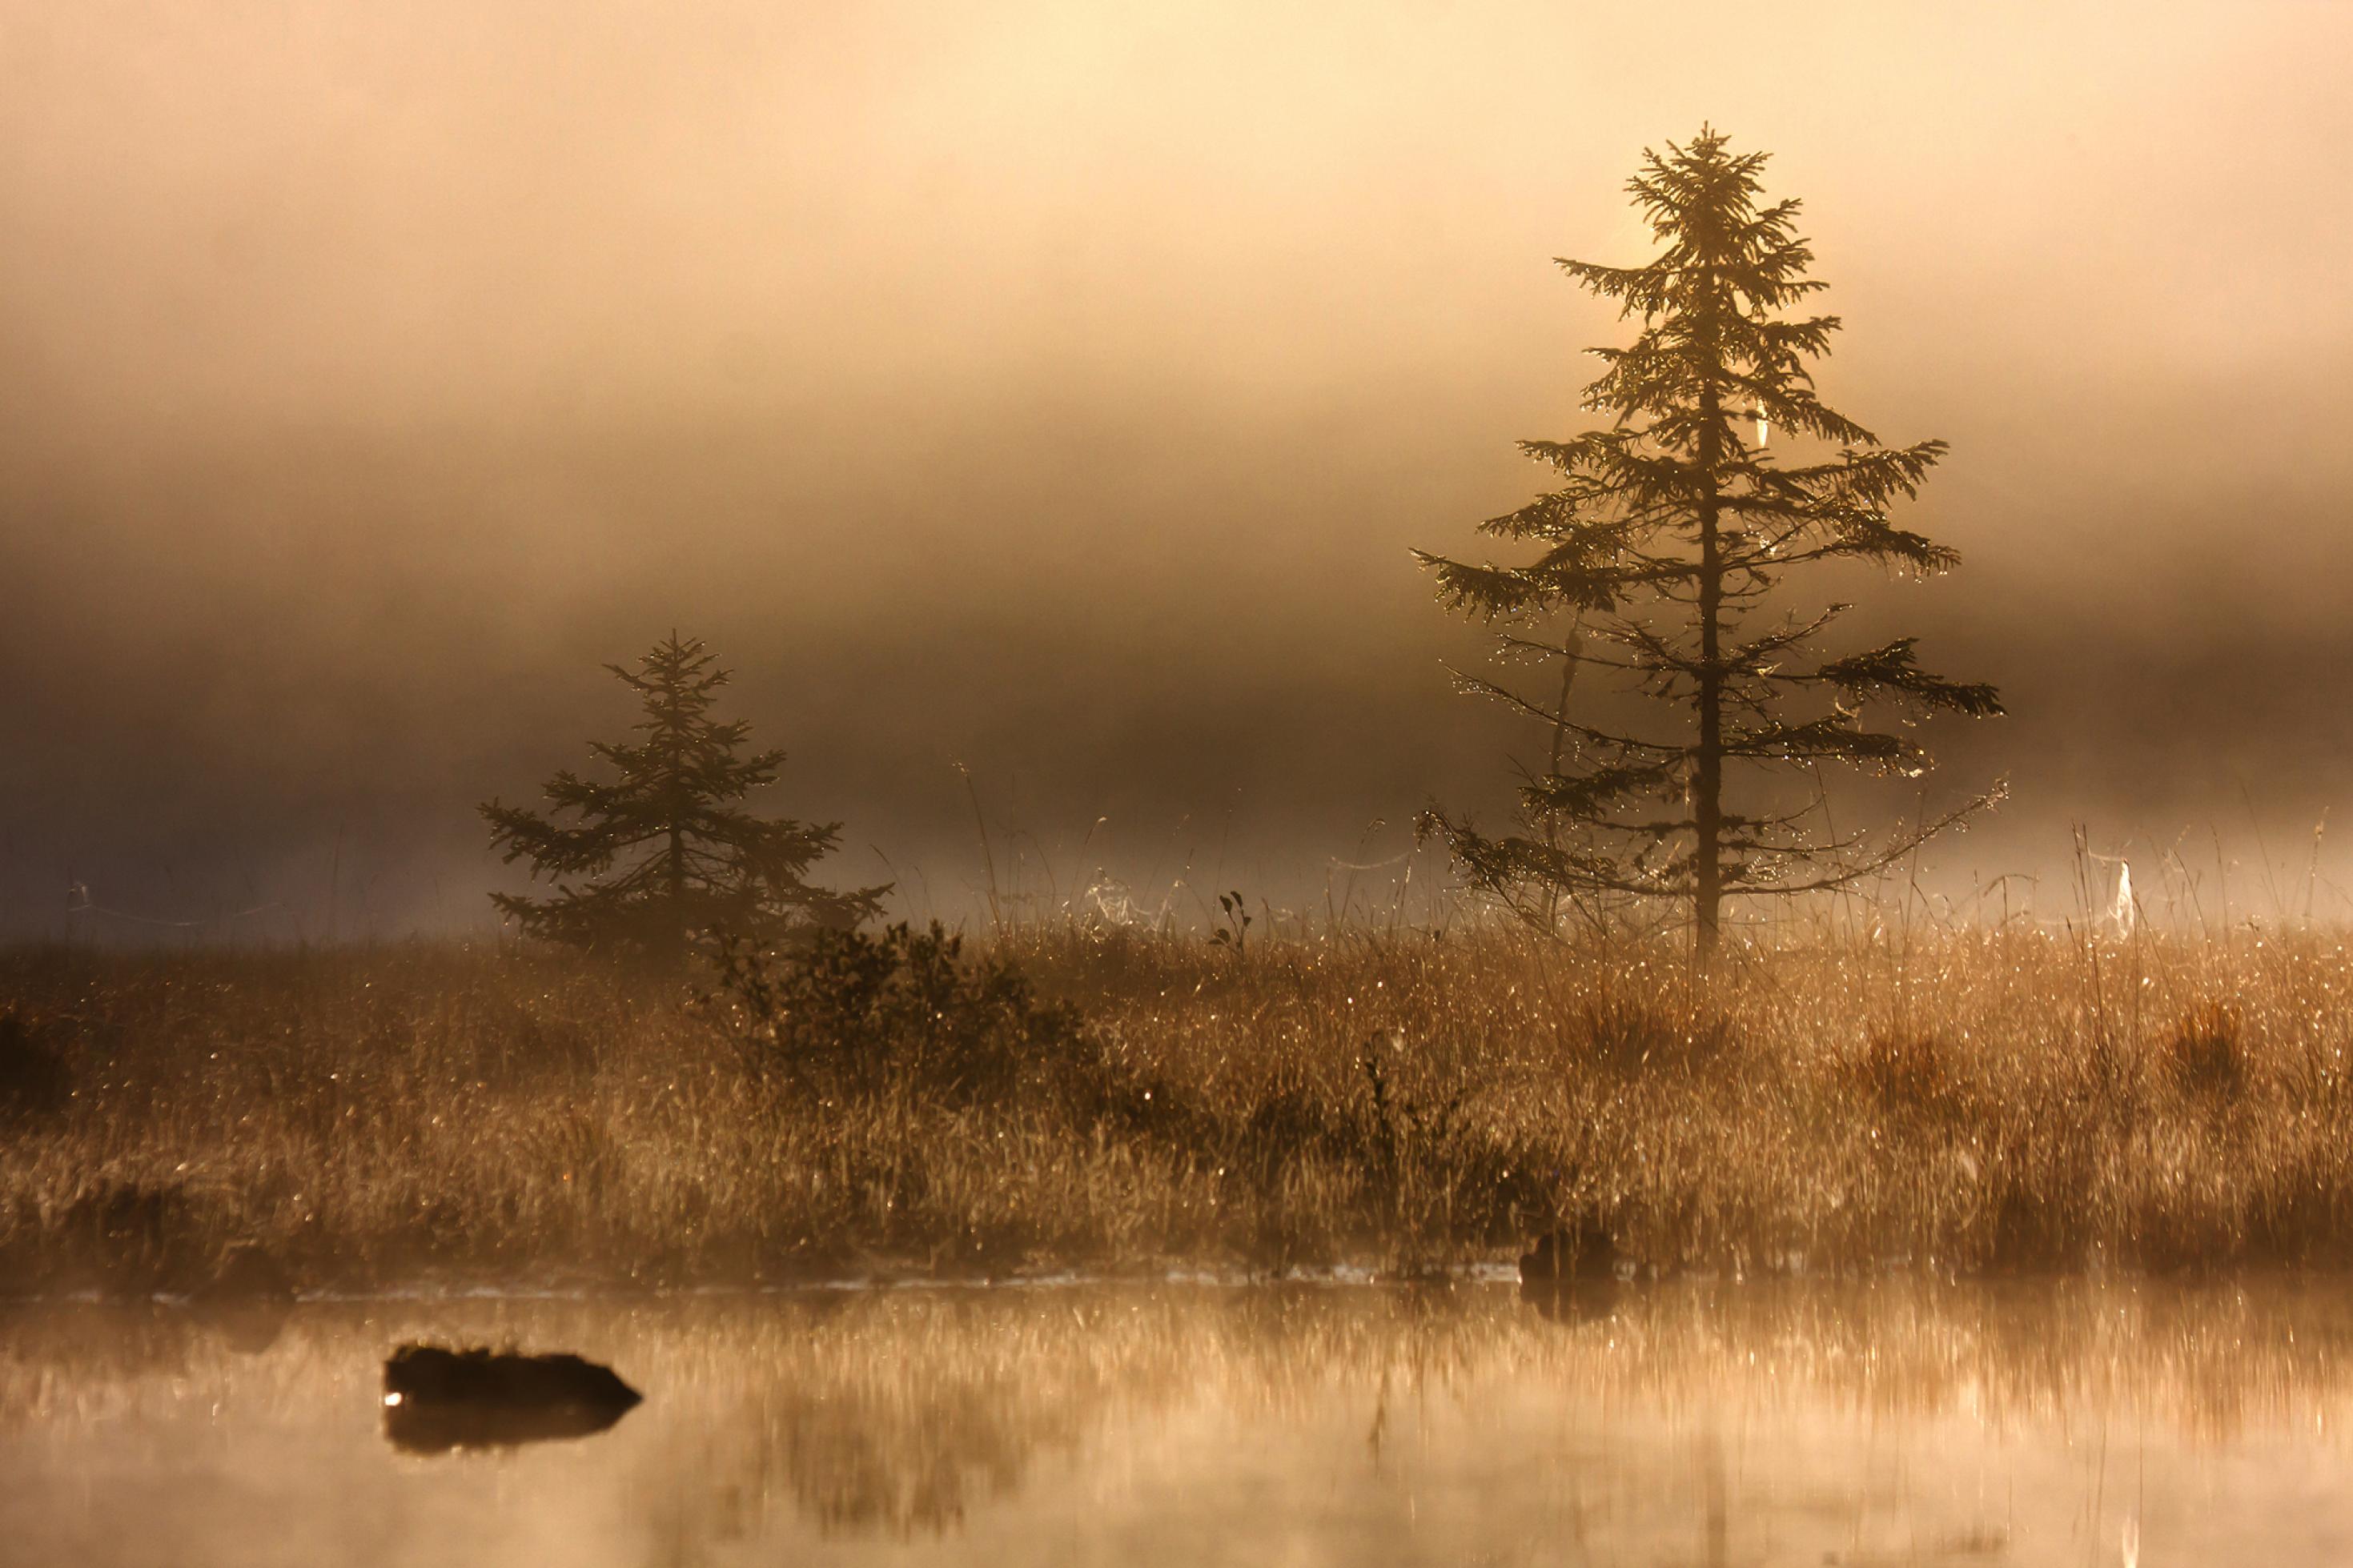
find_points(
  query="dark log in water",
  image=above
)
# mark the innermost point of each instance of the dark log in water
(1571, 1275)
(436, 1399)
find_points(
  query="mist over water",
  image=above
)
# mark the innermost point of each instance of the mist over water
(2037, 1423)
(1058, 393)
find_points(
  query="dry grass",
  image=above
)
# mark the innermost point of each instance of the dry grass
(1967, 1102)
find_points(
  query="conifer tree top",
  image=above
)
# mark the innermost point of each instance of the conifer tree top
(665, 851)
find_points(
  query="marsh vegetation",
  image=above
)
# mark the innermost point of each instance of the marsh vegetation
(1066, 1098)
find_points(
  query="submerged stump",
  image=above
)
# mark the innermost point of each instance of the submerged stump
(1571, 1273)
(436, 1399)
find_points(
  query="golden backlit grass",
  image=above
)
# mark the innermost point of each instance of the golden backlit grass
(1956, 1101)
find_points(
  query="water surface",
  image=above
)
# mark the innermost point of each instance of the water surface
(1893, 1423)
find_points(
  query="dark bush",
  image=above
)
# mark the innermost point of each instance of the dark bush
(2205, 1057)
(1630, 1038)
(35, 1080)
(130, 1238)
(855, 1014)
(1906, 1074)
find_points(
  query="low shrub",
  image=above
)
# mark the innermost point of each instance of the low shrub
(856, 1015)
(35, 1081)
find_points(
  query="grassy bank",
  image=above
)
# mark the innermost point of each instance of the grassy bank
(1961, 1102)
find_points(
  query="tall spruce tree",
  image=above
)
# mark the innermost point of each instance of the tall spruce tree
(666, 852)
(1664, 544)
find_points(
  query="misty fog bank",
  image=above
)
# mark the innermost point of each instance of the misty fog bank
(1058, 395)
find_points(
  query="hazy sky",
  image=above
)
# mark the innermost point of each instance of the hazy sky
(1056, 390)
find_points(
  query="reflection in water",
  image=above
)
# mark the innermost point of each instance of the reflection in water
(1572, 1300)
(246, 1327)
(1716, 1424)
(436, 1428)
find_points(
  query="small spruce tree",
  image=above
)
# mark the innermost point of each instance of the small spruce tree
(666, 853)
(1668, 536)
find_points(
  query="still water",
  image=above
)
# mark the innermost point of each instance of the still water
(1892, 1423)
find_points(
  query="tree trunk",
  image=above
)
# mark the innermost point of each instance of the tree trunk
(1707, 769)
(1570, 649)
(673, 934)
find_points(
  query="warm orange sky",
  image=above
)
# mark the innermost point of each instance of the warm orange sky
(1058, 388)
